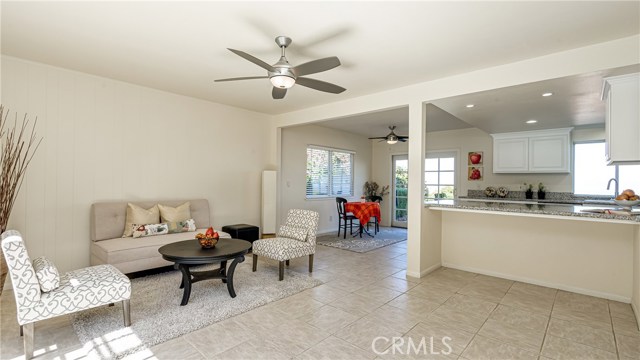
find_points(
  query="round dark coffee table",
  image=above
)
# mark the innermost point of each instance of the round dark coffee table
(189, 253)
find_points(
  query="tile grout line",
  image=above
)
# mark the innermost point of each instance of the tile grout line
(546, 330)
(613, 331)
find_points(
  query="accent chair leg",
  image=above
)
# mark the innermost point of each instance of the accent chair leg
(126, 311)
(255, 262)
(21, 332)
(286, 262)
(311, 263)
(112, 304)
(281, 271)
(28, 340)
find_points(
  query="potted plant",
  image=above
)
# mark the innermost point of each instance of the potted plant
(528, 192)
(371, 188)
(542, 192)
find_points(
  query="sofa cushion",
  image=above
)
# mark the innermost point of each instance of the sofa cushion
(175, 214)
(139, 215)
(108, 218)
(149, 230)
(120, 250)
(47, 274)
(181, 226)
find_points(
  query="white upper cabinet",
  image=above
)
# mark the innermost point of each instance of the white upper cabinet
(510, 154)
(622, 119)
(541, 151)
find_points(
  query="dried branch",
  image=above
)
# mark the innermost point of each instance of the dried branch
(18, 144)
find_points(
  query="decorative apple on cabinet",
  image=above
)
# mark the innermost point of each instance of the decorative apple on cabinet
(475, 158)
(475, 173)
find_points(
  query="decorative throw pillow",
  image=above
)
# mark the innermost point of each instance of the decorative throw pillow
(138, 215)
(175, 214)
(293, 232)
(149, 230)
(47, 274)
(181, 226)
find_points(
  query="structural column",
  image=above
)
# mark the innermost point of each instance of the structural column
(417, 150)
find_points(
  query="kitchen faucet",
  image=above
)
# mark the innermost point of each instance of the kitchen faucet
(616, 188)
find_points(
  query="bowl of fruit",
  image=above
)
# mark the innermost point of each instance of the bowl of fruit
(627, 199)
(209, 239)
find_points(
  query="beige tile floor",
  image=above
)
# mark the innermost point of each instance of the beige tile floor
(367, 297)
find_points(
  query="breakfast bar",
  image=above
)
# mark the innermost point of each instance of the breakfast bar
(569, 247)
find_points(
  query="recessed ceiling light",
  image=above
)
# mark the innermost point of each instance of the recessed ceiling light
(470, 105)
(531, 121)
(547, 94)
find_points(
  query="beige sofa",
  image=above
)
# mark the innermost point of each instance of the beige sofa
(135, 254)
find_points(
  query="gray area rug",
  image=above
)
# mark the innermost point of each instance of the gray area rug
(157, 317)
(385, 237)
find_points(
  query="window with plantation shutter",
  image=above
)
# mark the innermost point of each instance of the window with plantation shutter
(329, 172)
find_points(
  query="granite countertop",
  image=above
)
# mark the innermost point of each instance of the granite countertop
(570, 210)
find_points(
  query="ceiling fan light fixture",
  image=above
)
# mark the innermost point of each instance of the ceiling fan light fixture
(392, 139)
(282, 81)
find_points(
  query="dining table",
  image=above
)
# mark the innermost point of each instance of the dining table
(363, 211)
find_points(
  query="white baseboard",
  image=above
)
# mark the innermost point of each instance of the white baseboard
(636, 313)
(574, 289)
(424, 272)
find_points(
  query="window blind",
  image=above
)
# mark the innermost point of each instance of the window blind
(329, 172)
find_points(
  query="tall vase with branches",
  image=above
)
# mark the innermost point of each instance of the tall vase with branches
(18, 144)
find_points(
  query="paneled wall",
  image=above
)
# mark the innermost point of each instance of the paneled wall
(109, 140)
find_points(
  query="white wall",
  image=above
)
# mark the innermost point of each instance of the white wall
(465, 141)
(109, 140)
(294, 166)
(587, 257)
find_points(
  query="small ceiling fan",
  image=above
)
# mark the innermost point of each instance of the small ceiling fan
(284, 75)
(392, 138)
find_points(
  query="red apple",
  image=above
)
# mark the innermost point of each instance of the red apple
(475, 174)
(216, 235)
(475, 158)
(209, 232)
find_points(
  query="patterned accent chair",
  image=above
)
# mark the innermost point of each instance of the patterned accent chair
(78, 290)
(283, 249)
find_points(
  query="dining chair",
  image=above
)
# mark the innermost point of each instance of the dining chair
(374, 219)
(344, 217)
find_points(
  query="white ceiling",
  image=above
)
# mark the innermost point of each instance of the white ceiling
(180, 47)
(377, 123)
(575, 102)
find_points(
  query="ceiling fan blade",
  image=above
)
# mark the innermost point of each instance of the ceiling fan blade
(379, 137)
(278, 93)
(253, 59)
(316, 66)
(243, 78)
(320, 85)
(403, 139)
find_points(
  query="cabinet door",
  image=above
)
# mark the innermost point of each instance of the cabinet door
(510, 155)
(549, 154)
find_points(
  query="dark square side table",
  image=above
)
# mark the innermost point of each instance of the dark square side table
(246, 232)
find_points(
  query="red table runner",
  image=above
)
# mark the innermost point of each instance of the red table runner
(363, 210)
